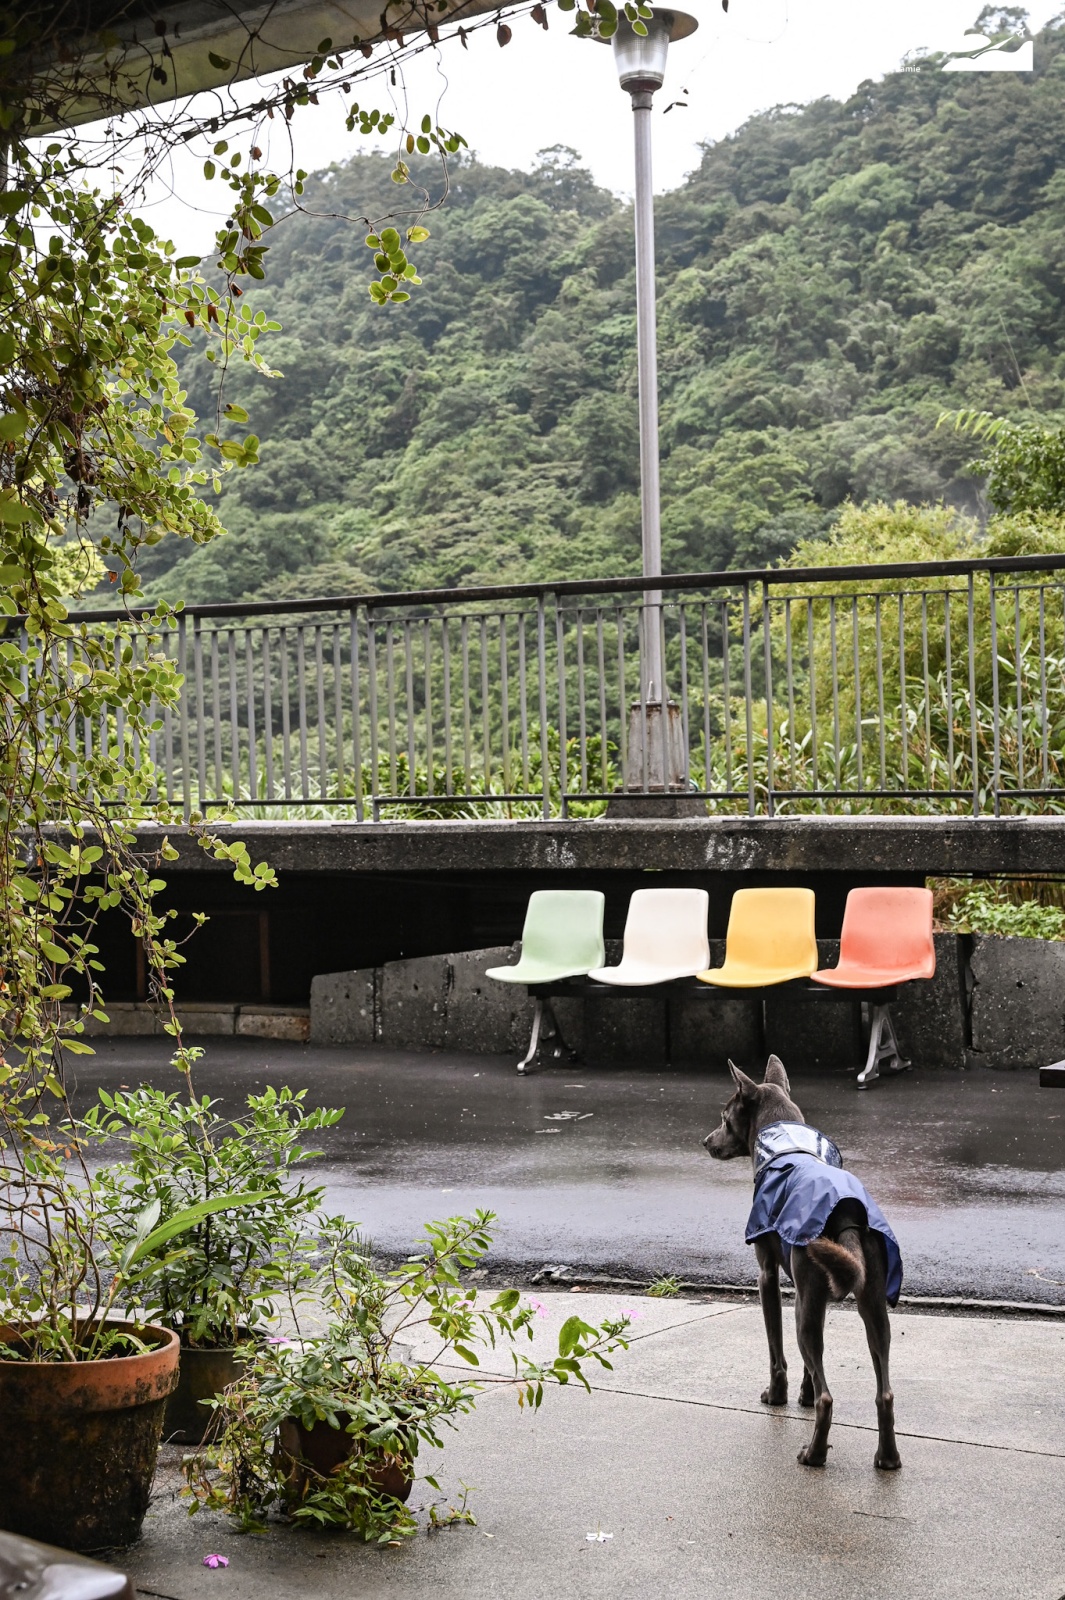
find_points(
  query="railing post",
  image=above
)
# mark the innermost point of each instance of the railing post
(563, 753)
(356, 714)
(371, 671)
(747, 695)
(541, 667)
(996, 769)
(770, 731)
(974, 740)
(182, 653)
(201, 747)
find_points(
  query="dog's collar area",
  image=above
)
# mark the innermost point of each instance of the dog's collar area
(793, 1139)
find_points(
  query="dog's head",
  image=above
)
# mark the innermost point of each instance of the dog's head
(753, 1106)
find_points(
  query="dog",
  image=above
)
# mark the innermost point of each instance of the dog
(814, 1219)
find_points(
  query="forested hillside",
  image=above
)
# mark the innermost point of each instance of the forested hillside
(831, 278)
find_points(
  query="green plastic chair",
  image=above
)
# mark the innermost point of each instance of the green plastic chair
(562, 938)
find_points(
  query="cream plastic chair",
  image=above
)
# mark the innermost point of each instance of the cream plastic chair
(665, 938)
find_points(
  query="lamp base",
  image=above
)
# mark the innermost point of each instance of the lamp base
(656, 783)
(635, 806)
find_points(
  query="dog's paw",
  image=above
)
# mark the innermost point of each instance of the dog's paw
(887, 1463)
(806, 1457)
(775, 1395)
(806, 1393)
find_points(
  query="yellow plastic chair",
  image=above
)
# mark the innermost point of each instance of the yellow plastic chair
(770, 939)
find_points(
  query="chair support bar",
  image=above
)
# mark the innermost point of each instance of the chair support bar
(544, 1027)
(883, 1047)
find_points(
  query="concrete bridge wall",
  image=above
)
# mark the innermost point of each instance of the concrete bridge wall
(352, 897)
(996, 1002)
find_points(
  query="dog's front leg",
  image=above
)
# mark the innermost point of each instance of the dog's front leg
(769, 1294)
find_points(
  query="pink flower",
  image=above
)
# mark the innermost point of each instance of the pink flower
(538, 1306)
(280, 1339)
(631, 1312)
(216, 1561)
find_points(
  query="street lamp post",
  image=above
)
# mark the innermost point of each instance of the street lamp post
(641, 64)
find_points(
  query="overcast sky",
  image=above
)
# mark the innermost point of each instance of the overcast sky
(549, 88)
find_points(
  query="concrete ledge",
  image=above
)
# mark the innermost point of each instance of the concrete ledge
(862, 845)
(134, 1019)
(275, 1022)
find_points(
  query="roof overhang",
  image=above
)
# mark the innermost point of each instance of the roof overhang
(128, 54)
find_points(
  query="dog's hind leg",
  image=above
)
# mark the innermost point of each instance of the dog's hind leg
(769, 1293)
(872, 1306)
(811, 1302)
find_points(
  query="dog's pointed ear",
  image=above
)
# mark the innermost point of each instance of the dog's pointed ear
(747, 1086)
(774, 1073)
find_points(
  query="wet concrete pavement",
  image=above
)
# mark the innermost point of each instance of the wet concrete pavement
(695, 1486)
(969, 1167)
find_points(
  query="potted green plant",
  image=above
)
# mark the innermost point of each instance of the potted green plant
(325, 1429)
(222, 1287)
(82, 1389)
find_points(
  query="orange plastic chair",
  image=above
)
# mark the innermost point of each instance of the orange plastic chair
(886, 939)
(770, 939)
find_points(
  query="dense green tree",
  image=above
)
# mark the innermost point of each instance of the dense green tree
(831, 279)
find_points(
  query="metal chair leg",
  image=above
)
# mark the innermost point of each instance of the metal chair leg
(545, 1027)
(534, 1037)
(883, 1047)
(553, 1031)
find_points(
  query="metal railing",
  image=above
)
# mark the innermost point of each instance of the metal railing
(933, 686)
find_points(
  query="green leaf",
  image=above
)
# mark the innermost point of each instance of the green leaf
(14, 514)
(221, 62)
(182, 1221)
(12, 425)
(145, 1223)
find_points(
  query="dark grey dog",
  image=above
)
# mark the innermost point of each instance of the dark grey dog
(814, 1219)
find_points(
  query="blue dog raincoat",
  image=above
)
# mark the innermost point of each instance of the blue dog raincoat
(799, 1179)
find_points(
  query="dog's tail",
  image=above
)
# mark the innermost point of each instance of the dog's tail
(843, 1263)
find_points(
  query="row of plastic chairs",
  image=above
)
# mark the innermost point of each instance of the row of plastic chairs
(886, 940)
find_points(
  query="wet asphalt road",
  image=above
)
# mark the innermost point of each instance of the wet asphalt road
(969, 1167)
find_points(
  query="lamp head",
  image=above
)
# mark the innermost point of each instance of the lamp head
(641, 58)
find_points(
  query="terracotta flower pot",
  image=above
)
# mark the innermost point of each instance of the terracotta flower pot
(325, 1448)
(201, 1375)
(78, 1442)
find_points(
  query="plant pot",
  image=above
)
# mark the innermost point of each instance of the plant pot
(325, 1448)
(78, 1442)
(201, 1375)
